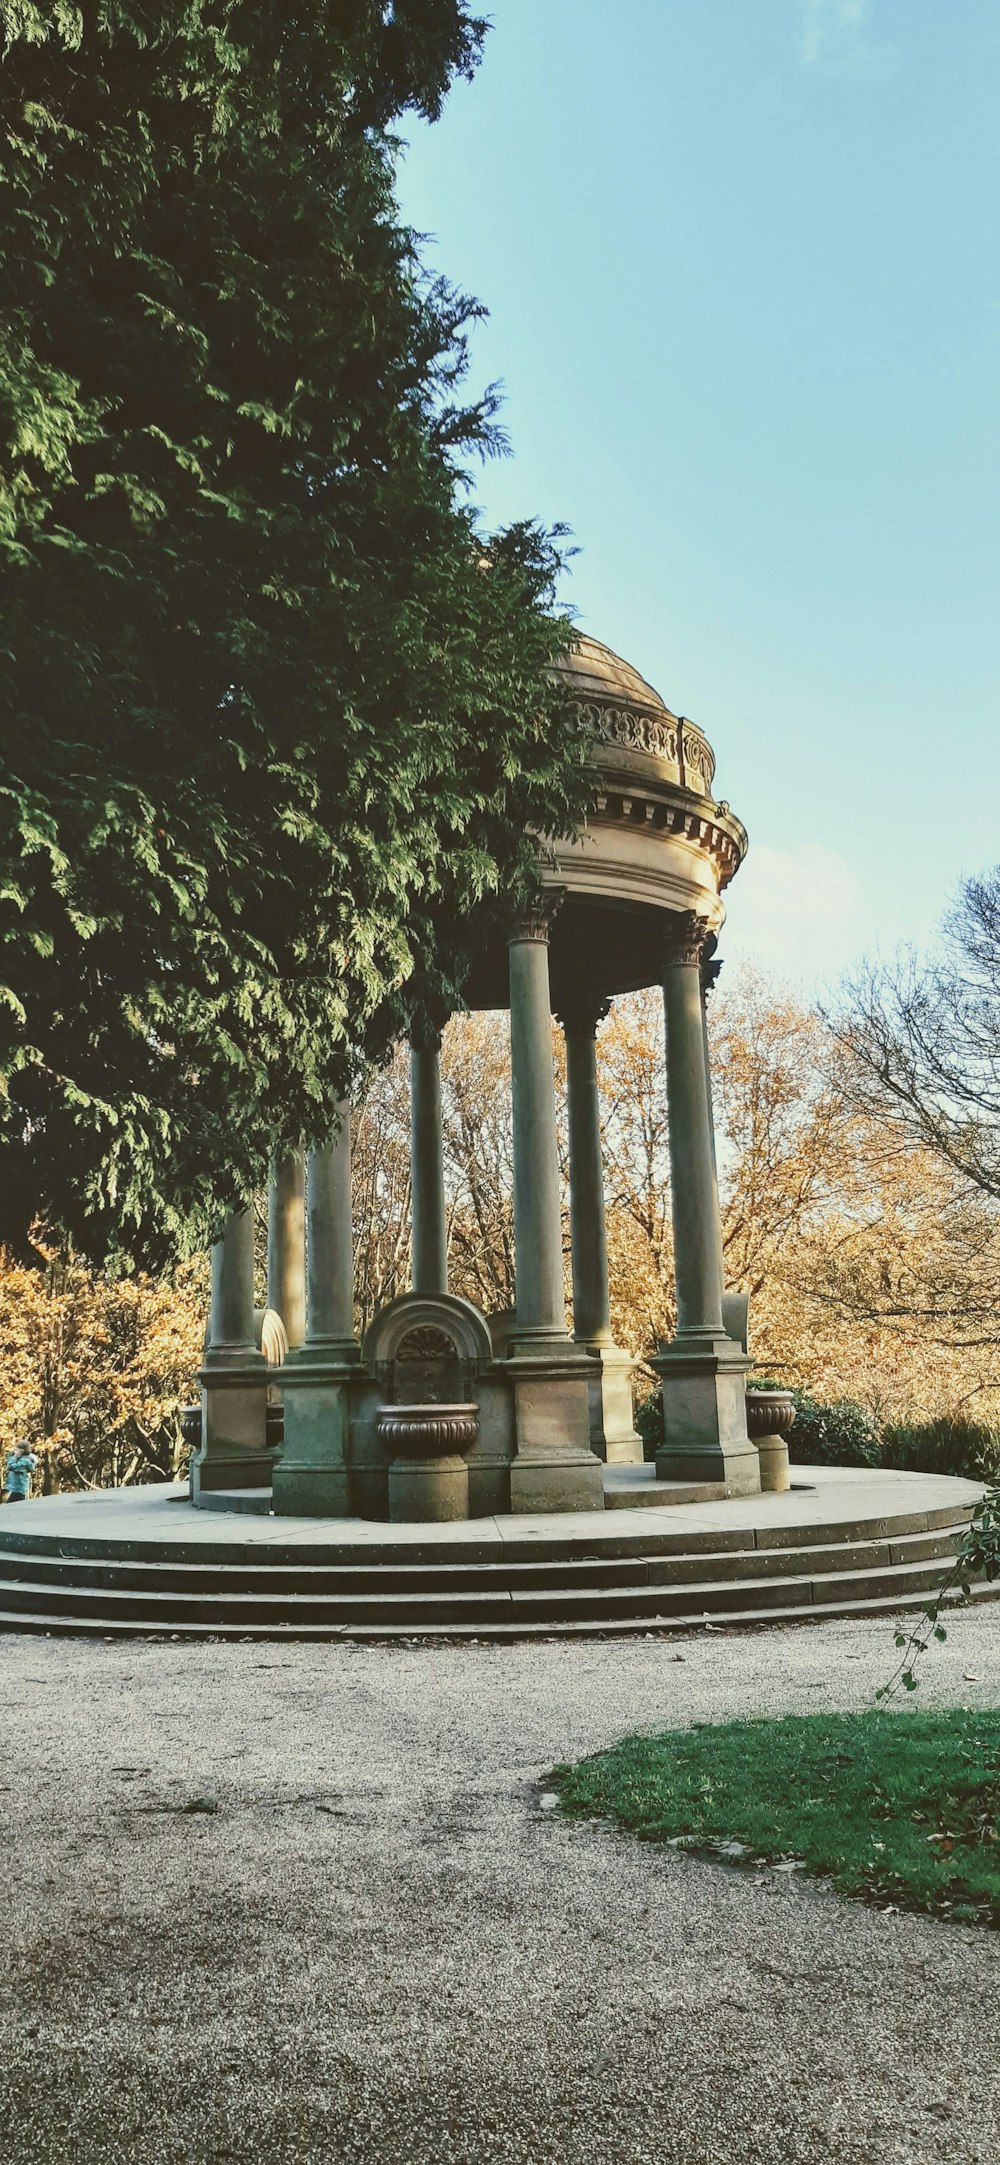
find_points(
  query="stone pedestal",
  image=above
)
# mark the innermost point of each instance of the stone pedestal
(233, 1451)
(704, 1415)
(433, 1493)
(770, 1419)
(312, 1476)
(429, 1479)
(702, 1371)
(554, 1468)
(611, 1399)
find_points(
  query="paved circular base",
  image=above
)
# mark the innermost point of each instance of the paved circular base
(144, 1561)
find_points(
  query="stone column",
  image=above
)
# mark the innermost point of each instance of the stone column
(708, 975)
(286, 1246)
(612, 1428)
(428, 1216)
(538, 1272)
(734, 1305)
(233, 1451)
(330, 1247)
(312, 1475)
(702, 1370)
(554, 1469)
(231, 1321)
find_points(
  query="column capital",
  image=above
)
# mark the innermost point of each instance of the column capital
(532, 922)
(711, 964)
(425, 1035)
(581, 1014)
(684, 938)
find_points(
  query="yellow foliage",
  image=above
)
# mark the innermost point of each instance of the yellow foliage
(95, 1370)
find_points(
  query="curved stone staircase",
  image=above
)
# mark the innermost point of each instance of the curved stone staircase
(598, 1577)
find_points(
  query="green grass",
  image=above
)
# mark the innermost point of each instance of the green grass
(900, 1808)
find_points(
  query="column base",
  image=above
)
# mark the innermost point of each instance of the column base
(702, 1381)
(233, 1451)
(310, 1492)
(428, 1491)
(554, 1468)
(613, 1434)
(312, 1475)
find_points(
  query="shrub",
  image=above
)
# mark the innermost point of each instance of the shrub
(649, 1422)
(949, 1444)
(840, 1434)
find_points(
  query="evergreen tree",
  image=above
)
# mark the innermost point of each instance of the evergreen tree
(274, 714)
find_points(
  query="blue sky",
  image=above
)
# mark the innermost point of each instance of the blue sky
(741, 262)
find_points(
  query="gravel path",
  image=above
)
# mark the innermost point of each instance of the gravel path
(380, 1947)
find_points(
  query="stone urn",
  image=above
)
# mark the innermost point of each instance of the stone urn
(428, 1476)
(770, 1414)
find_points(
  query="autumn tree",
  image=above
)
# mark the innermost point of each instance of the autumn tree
(380, 1171)
(479, 1159)
(96, 1370)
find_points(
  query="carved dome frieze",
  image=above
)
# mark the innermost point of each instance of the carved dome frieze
(627, 715)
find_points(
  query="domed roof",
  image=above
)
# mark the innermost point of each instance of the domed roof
(596, 672)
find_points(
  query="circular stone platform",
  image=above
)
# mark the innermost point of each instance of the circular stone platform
(144, 1561)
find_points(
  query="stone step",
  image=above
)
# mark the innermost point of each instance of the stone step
(624, 1494)
(51, 1624)
(571, 1572)
(420, 1609)
(468, 1547)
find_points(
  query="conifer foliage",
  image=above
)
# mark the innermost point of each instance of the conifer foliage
(274, 712)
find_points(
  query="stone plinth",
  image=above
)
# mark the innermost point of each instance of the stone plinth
(704, 1415)
(554, 1468)
(312, 1476)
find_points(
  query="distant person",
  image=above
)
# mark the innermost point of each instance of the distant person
(20, 1466)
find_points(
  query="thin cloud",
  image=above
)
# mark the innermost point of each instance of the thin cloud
(799, 912)
(832, 29)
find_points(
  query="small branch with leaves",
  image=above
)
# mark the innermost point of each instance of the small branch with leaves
(978, 1558)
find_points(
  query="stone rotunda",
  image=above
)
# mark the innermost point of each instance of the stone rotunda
(441, 1412)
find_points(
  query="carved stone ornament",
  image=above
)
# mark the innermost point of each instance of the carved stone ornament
(711, 964)
(699, 760)
(425, 1036)
(640, 732)
(427, 1369)
(580, 1016)
(675, 740)
(426, 1343)
(534, 921)
(428, 1431)
(684, 938)
(769, 1413)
